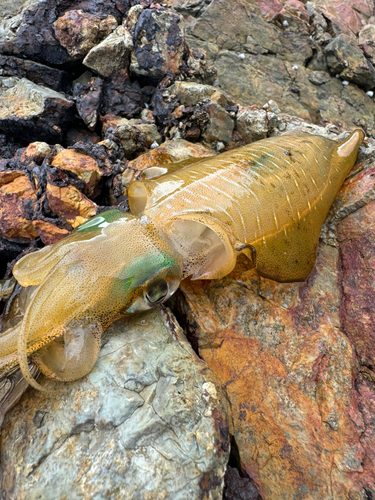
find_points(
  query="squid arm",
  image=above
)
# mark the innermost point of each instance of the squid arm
(267, 200)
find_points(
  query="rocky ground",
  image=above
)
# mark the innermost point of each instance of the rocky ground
(241, 388)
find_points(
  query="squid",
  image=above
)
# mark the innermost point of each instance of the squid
(267, 200)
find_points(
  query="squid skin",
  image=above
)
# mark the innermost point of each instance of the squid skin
(267, 200)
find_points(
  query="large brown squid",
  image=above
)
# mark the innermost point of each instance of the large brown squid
(267, 200)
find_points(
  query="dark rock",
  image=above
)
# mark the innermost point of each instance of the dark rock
(38, 73)
(345, 58)
(159, 43)
(237, 487)
(80, 31)
(32, 112)
(121, 97)
(30, 34)
(88, 100)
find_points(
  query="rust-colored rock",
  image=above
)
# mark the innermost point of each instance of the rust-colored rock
(80, 31)
(357, 237)
(85, 167)
(17, 204)
(48, 232)
(171, 152)
(346, 15)
(35, 152)
(70, 204)
(288, 372)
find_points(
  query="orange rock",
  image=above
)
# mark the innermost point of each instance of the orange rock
(48, 232)
(70, 204)
(17, 202)
(35, 152)
(170, 152)
(85, 167)
(288, 369)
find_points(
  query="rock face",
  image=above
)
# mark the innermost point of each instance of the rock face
(31, 111)
(290, 357)
(147, 420)
(264, 50)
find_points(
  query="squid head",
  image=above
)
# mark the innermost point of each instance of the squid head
(113, 265)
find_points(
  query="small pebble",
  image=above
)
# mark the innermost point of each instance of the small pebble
(295, 67)
(154, 145)
(285, 23)
(370, 93)
(345, 82)
(219, 146)
(241, 56)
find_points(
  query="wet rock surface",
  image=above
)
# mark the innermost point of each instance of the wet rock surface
(148, 430)
(94, 95)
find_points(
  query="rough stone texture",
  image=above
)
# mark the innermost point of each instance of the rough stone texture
(32, 112)
(17, 205)
(346, 59)
(220, 125)
(122, 97)
(346, 16)
(112, 54)
(147, 422)
(191, 93)
(356, 236)
(48, 232)
(159, 43)
(38, 73)
(80, 31)
(88, 100)
(70, 204)
(171, 152)
(252, 124)
(35, 153)
(30, 33)
(85, 167)
(254, 58)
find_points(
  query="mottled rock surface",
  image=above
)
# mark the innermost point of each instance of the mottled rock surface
(297, 360)
(131, 429)
(264, 50)
(32, 112)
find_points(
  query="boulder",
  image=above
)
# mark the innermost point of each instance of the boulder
(32, 112)
(17, 206)
(159, 43)
(80, 31)
(346, 59)
(147, 422)
(112, 54)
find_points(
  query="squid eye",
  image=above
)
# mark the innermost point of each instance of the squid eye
(157, 292)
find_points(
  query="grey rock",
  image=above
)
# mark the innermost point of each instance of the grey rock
(32, 111)
(145, 423)
(252, 124)
(345, 58)
(112, 54)
(220, 126)
(319, 77)
(253, 58)
(190, 93)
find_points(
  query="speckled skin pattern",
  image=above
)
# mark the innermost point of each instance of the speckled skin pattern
(267, 200)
